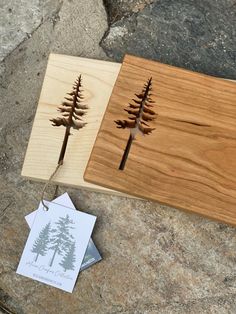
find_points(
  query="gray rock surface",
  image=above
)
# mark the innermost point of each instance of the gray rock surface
(156, 259)
(19, 19)
(194, 34)
(119, 9)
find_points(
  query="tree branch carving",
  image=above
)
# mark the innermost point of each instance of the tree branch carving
(72, 110)
(140, 114)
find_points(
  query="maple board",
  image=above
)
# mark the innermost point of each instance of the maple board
(189, 160)
(98, 78)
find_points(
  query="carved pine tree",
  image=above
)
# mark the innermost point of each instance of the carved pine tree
(140, 114)
(72, 110)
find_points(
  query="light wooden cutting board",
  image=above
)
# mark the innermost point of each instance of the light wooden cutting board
(189, 160)
(98, 78)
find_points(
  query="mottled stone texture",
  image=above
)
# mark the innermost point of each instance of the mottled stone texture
(19, 19)
(156, 259)
(194, 34)
(121, 8)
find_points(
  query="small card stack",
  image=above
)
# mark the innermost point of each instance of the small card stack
(59, 244)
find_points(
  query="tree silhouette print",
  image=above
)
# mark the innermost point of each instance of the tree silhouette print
(140, 113)
(40, 245)
(62, 237)
(69, 258)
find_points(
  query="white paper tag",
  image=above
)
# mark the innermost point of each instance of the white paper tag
(92, 255)
(63, 200)
(56, 245)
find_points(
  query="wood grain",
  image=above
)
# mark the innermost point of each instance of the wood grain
(189, 160)
(98, 78)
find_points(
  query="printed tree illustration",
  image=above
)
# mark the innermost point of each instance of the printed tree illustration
(69, 258)
(40, 245)
(140, 113)
(62, 237)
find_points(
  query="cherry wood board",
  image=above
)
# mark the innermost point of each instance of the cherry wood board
(189, 160)
(98, 78)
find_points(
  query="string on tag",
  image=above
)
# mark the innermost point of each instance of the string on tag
(49, 181)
